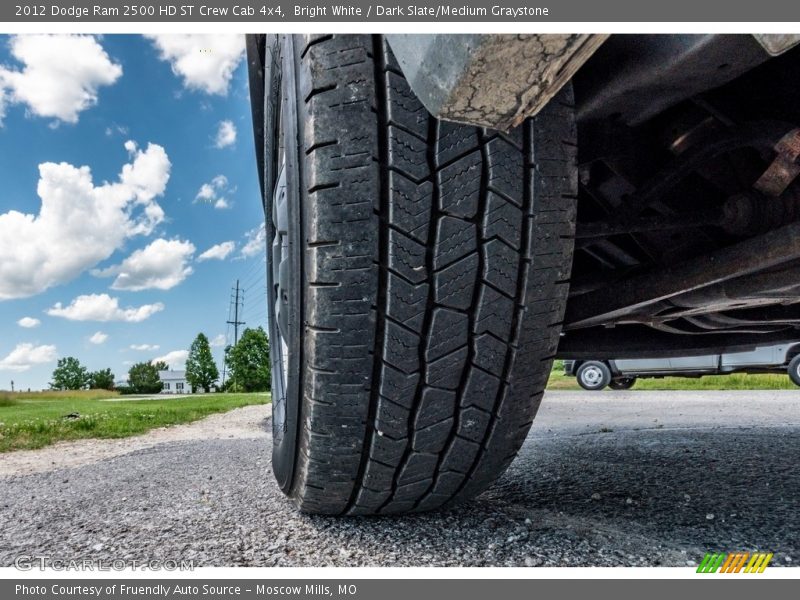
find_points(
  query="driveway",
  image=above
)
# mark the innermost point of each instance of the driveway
(611, 478)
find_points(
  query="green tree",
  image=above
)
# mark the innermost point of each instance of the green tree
(143, 377)
(102, 380)
(248, 362)
(201, 370)
(70, 374)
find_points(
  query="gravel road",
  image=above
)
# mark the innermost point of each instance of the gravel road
(611, 478)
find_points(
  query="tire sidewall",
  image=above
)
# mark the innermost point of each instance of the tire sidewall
(593, 367)
(623, 383)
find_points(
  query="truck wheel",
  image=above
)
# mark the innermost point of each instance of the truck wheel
(794, 370)
(593, 375)
(623, 383)
(418, 277)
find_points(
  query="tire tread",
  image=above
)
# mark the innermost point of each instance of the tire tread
(445, 250)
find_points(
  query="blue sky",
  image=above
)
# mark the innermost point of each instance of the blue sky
(129, 201)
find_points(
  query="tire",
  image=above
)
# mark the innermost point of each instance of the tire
(593, 375)
(432, 273)
(623, 383)
(794, 370)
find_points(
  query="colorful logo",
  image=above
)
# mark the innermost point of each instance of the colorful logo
(736, 562)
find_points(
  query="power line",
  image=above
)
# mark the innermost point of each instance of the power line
(258, 280)
(256, 268)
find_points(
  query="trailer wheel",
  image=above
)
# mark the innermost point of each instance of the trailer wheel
(593, 375)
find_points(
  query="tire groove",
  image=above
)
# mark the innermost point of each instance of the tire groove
(515, 324)
(428, 318)
(383, 259)
(471, 316)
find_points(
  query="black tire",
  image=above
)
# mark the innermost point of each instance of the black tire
(794, 370)
(593, 375)
(623, 383)
(432, 285)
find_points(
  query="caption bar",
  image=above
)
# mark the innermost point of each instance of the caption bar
(489, 11)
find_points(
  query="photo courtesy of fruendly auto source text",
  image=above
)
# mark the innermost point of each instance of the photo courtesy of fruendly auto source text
(306, 300)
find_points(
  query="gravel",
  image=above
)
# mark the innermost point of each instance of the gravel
(611, 478)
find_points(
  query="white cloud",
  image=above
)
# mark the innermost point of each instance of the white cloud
(79, 224)
(99, 338)
(24, 356)
(60, 76)
(204, 62)
(226, 134)
(28, 322)
(176, 360)
(256, 242)
(161, 265)
(144, 347)
(214, 192)
(218, 252)
(218, 342)
(102, 307)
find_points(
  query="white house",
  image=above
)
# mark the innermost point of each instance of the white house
(174, 382)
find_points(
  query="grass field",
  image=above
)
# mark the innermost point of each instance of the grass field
(37, 419)
(736, 381)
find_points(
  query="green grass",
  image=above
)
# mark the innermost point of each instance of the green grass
(735, 381)
(58, 395)
(34, 420)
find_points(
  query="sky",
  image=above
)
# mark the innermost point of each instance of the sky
(129, 200)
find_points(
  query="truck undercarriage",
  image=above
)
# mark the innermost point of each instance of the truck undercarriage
(687, 237)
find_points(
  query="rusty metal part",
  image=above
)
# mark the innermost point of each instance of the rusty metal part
(630, 295)
(490, 80)
(757, 134)
(784, 169)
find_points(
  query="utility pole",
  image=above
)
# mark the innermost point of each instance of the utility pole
(236, 322)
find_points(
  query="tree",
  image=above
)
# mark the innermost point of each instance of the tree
(102, 380)
(248, 362)
(70, 374)
(143, 377)
(201, 370)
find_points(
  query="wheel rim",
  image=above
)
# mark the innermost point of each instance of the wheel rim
(592, 376)
(279, 299)
(284, 275)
